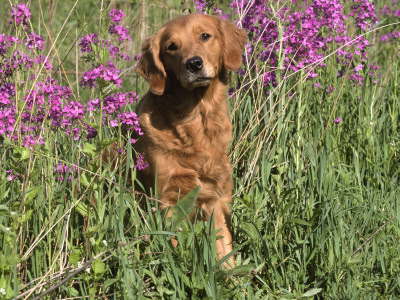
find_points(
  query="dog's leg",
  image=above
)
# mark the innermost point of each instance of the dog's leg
(221, 220)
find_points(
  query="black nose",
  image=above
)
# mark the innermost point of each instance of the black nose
(194, 64)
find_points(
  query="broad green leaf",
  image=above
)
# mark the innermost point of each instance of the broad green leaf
(31, 194)
(184, 207)
(90, 150)
(82, 208)
(74, 258)
(107, 142)
(25, 153)
(98, 267)
(312, 292)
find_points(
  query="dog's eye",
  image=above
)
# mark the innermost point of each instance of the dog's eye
(172, 47)
(205, 36)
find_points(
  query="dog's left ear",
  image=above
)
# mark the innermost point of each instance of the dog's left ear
(150, 66)
(234, 42)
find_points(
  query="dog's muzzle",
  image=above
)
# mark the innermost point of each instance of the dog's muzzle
(194, 64)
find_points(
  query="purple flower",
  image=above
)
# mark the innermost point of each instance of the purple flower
(140, 162)
(73, 111)
(116, 15)
(358, 67)
(365, 14)
(121, 31)
(305, 33)
(35, 41)
(330, 89)
(46, 105)
(87, 41)
(391, 37)
(108, 73)
(41, 59)
(20, 14)
(337, 120)
(6, 42)
(11, 175)
(113, 123)
(125, 56)
(65, 170)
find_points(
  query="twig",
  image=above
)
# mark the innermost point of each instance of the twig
(379, 229)
(78, 270)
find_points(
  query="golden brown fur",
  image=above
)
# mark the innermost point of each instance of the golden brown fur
(184, 116)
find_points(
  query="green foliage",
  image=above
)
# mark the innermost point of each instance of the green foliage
(315, 214)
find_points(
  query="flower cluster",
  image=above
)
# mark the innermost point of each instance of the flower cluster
(64, 170)
(204, 6)
(107, 73)
(27, 112)
(35, 41)
(11, 175)
(121, 31)
(87, 41)
(140, 162)
(364, 13)
(113, 106)
(20, 14)
(116, 16)
(303, 33)
(391, 37)
(391, 14)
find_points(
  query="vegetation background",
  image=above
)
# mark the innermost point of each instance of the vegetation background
(315, 163)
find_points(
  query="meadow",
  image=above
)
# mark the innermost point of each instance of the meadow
(315, 155)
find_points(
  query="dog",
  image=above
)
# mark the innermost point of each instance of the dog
(184, 115)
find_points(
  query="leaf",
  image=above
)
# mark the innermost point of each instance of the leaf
(26, 152)
(105, 143)
(31, 194)
(21, 153)
(241, 270)
(74, 258)
(98, 267)
(183, 208)
(82, 208)
(160, 233)
(298, 221)
(90, 150)
(109, 282)
(4, 207)
(91, 231)
(84, 179)
(74, 292)
(311, 292)
(25, 217)
(93, 125)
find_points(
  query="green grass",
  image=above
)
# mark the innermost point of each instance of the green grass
(315, 213)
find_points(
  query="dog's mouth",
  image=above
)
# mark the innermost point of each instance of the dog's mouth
(202, 79)
(191, 80)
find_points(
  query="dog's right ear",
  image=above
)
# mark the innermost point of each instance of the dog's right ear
(150, 65)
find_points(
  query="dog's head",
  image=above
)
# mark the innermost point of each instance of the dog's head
(192, 48)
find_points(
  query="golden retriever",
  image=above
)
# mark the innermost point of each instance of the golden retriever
(184, 116)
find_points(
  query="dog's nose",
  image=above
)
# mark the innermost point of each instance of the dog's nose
(194, 64)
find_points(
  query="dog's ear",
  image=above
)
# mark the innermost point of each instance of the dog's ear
(234, 42)
(150, 65)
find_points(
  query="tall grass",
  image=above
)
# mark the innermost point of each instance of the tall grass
(315, 212)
